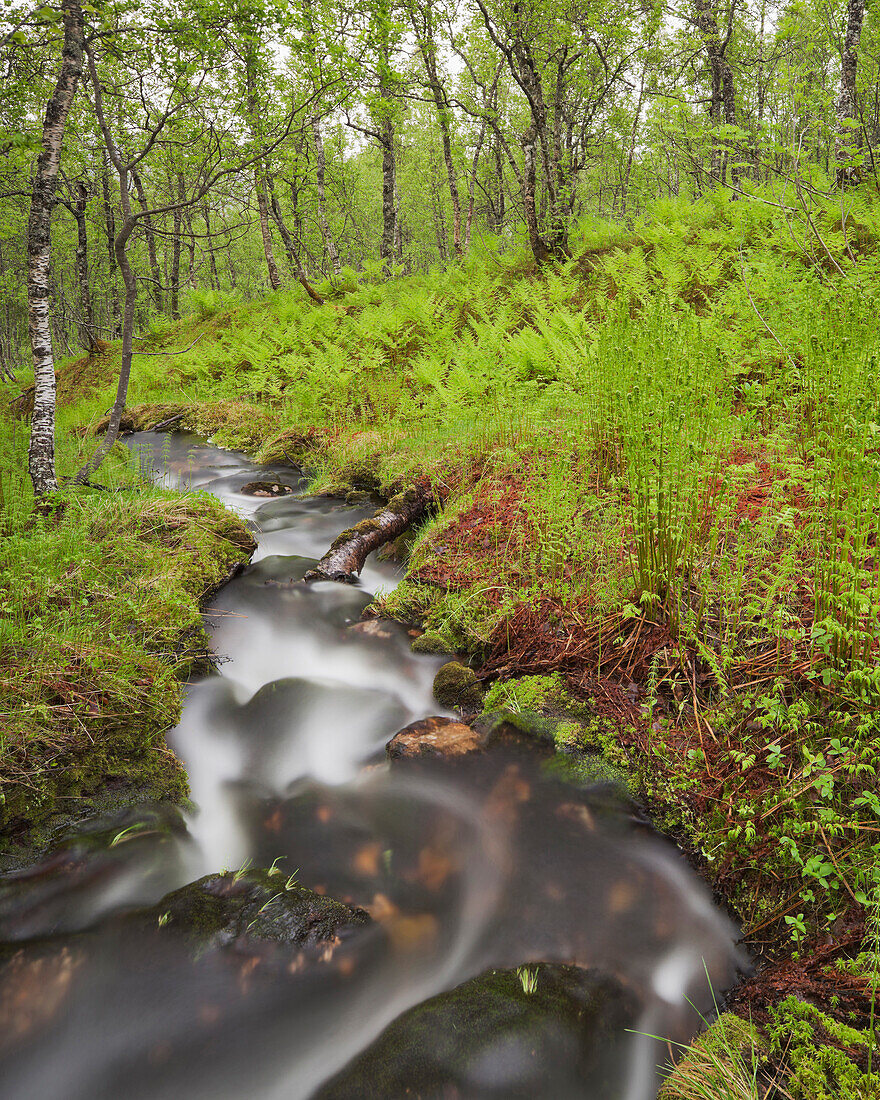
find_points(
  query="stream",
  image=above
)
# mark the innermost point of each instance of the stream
(499, 861)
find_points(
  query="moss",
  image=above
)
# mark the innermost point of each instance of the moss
(89, 705)
(557, 1026)
(721, 1062)
(534, 726)
(810, 1044)
(291, 446)
(257, 904)
(590, 770)
(457, 687)
(143, 418)
(527, 693)
(430, 642)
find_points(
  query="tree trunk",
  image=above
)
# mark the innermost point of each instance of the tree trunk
(429, 56)
(176, 245)
(268, 251)
(150, 236)
(81, 266)
(215, 278)
(290, 246)
(346, 557)
(539, 247)
(722, 96)
(847, 141)
(129, 281)
(321, 194)
(110, 226)
(41, 451)
(472, 183)
(389, 205)
(191, 280)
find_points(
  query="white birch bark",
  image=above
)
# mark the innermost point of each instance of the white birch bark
(41, 452)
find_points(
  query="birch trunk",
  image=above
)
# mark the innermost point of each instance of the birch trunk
(215, 278)
(321, 194)
(290, 246)
(847, 142)
(41, 452)
(472, 184)
(176, 244)
(129, 280)
(539, 247)
(150, 237)
(268, 251)
(81, 266)
(429, 56)
(389, 187)
(110, 226)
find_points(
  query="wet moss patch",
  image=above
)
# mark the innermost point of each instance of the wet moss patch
(101, 623)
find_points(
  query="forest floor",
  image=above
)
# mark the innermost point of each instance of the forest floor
(657, 481)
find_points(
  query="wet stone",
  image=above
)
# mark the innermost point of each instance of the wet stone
(545, 1031)
(219, 909)
(372, 628)
(456, 686)
(266, 489)
(434, 737)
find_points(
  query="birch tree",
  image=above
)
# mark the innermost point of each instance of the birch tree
(41, 452)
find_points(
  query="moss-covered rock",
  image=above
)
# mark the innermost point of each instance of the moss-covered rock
(430, 642)
(541, 1030)
(255, 904)
(456, 686)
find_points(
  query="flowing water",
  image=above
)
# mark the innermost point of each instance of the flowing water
(496, 862)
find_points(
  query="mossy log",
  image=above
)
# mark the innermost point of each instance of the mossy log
(345, 558)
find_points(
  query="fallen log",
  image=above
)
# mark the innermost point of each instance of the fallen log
(346, 557)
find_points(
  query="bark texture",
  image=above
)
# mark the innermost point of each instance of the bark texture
(41, 452)
(129, 281)
(847, 142)
(321, 194)
(268, 250)
(81, 266)
(115, 321)
(150, 238)
(722, 96)
(290, 246)
(345, 558)
(389, 189)
(422, 18)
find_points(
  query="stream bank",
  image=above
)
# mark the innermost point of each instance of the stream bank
(102, 624)
(490, 862)
(685, 762)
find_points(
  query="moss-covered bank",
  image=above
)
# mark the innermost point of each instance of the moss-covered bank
(101, 624)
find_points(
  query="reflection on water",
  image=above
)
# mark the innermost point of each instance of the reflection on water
(493, 862)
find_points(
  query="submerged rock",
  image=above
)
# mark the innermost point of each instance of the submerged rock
(456, 686)
(372, 628)
(538, 1031)
(257, 905)
(266, 489)
(434, 737)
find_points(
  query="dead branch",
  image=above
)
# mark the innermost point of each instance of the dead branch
(346, 557)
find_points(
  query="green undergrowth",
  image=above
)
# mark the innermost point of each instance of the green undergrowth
(656, 464)
(99, 622)
(658, 479)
